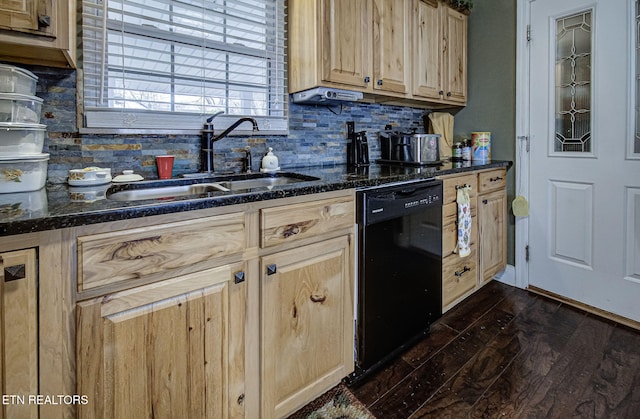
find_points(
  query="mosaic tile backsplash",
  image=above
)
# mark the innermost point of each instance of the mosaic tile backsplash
(316, 136)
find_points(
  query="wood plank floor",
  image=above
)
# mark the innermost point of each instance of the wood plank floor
(508, 353)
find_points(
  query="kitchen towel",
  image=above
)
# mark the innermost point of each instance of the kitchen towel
(442, 123)
(464, 221)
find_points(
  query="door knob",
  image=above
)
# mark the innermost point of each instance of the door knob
(271, 269)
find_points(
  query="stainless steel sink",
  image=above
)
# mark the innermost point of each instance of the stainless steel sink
(164, 192)
(229, 184)
(264, 182)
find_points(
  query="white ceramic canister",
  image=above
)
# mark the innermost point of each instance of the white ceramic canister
(23, 173)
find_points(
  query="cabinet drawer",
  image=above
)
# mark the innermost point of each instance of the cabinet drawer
(459, 275)
(115, 257)
(450, 237)
(449, 186)
(291, 222)
(450, 211)
(490, 181)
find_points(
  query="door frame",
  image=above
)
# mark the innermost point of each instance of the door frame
(522, 139)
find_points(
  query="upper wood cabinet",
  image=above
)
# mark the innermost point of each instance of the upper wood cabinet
(440, 47)
(38, 32)
(391, 46)
(391, 50)
(345, 42)
(455, 56)
(356, 44)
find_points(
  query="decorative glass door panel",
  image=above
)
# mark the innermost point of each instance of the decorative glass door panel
(573, 84)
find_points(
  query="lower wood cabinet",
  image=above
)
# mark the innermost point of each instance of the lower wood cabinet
(307, 323)
(492, 220)
(164, 350)
(462, 276)
(19, 372)
(238, 312)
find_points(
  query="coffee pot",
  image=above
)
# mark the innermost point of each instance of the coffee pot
(357, 147)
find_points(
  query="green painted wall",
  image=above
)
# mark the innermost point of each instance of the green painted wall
(491, 104)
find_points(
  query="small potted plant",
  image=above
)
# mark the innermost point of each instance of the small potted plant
(463, 6)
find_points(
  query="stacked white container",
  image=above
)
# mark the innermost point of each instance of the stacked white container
(23, 165)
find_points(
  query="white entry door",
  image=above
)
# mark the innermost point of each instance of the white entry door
(584, 223)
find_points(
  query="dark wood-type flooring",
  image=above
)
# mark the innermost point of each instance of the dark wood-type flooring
(508, 353)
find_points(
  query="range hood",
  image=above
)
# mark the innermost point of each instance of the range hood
(325, 96)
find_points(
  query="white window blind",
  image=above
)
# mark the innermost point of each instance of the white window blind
(169, 64)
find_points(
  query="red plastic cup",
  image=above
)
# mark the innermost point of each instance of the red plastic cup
(165, 166)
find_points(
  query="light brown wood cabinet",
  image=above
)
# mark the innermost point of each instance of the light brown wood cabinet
(306, 323)
(440, 47)
(165, 349)
(459, 274)
(38, 32)
(391, 50)
(361, 45)
(174, 346)
(306, 301)
(19, 371)
(462, 276)
(242, 311)
(492, 220)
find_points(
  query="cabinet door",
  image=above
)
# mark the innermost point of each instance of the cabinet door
(22, 15)
(492, 218)
(38, 32)
(346, 42)
(18, 332)
(391, 45)
(163, 350)
(455, 56)
(307, 323)
(427, 49)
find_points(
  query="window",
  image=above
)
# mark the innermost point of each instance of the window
(169, 64)
(573, 83)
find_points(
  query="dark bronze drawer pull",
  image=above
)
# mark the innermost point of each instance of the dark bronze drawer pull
(13, 273)
(463, 186)
(495, 179)
(238, 277)
(272, 269)
(462, 272)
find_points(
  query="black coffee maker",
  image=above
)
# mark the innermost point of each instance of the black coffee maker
(357, 147)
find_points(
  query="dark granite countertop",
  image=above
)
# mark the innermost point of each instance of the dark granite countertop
(61, 206)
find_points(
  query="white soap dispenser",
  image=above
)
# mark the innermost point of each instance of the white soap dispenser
(270, 162)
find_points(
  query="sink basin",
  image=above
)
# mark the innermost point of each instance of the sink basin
(164, 192)
(233, 184)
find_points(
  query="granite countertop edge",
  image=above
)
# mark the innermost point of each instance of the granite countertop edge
(63, 212)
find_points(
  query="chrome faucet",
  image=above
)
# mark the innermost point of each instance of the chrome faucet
(208, 138)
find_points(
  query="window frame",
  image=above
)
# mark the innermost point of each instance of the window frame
(106, 120)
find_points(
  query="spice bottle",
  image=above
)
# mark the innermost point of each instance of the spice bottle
(456, 151)
(466, 149)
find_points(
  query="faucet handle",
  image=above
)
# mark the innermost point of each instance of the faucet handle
(210, 119)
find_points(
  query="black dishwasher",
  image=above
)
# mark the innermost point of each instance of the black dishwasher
(399, 285)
